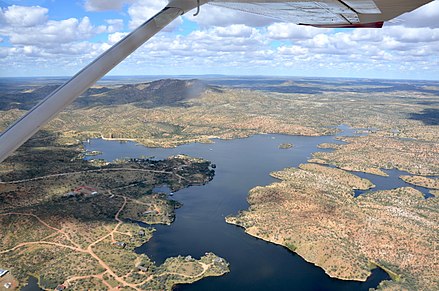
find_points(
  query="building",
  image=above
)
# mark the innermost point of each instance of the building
(217, 260)
(86, 191)
(188, 258)
(150, 212)
(3, 272)
(142, 268)
(120, 244)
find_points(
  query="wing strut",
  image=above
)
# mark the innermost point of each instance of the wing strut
(23, 129)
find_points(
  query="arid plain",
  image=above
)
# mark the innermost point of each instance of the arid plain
(311, 210)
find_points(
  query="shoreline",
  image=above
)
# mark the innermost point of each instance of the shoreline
(227, 220)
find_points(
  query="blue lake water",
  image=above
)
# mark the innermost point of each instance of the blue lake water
(199, 227)
(391, 182)
(32, 285)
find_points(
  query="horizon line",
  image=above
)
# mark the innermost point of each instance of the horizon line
(220, 75)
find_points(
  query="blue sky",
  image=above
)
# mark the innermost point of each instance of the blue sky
(59, 37)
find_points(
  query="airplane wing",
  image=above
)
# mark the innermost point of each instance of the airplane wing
(323, 13)
(326, 13)
(25, 127)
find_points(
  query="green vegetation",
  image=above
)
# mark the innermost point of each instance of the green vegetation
(313, 206)
(290, 246)
(285, 146)
(395, 277)
(432, 183)
(69, 223)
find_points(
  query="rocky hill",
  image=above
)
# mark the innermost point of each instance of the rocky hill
(167, 92)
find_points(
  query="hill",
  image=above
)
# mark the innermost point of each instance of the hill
(167, 92)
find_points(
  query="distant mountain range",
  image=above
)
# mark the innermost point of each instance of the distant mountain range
(167, 92)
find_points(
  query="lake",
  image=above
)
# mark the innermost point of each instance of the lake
(199, 226)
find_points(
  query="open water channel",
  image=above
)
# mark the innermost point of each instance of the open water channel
(199, 227)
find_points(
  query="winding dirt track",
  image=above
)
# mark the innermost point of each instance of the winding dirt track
(77, 248)
(92, 171)
(72, 245)
(89, 250)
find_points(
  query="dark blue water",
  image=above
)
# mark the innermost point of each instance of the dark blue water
(199, 227)
(32, 285)
(391, 182)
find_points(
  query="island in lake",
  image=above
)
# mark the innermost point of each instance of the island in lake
(74, 221)
(285, 146)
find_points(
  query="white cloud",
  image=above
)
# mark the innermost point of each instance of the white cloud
(53, 32)
(425, 16)
(23, 16)
(29, 26)
(292, 50)
(231, 42)
(4, 52)
(102, 5)
(392, 44)
(236, 30)
(400, 33)
(142, 10)
(114, 25)
(116, 37)
(292, 31)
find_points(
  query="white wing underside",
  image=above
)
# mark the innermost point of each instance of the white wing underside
(335, 13)
(307, 11)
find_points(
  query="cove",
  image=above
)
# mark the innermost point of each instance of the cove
(199, 227)
(390, 182)
(32, 285)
